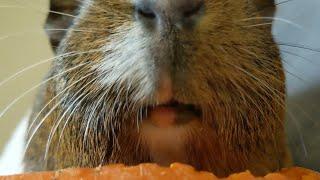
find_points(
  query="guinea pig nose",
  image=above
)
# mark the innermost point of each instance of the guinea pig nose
(145, 11)
(191, 8)
(181, 13)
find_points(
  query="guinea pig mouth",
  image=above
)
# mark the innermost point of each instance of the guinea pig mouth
(173, 113)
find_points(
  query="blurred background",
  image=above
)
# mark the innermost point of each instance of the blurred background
(24, 43)
(298, 25)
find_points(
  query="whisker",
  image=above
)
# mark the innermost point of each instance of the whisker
(45, 11)
(91, 116)
(297, 55)
(275, 3)
(257, 25)
(55, 127)
(37, 86)
(276, 19)
(69, 117)
(283, 2)
(286, 70)
(299, 46)
(244, 93)
(38, 126)
(40, 10)
(55, 97)
(69, 54)
(296, 124)
(46, 29)
(291, 116)
(282, 105)
(44, 118)
(266, 63)
(31, 67)
(75, 108)
(294, 75)
(270, 89)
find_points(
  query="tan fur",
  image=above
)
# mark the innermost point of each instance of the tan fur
(232, 72)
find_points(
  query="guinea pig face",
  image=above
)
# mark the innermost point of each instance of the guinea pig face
(212, 61)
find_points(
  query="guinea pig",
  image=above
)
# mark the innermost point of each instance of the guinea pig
(134, 81)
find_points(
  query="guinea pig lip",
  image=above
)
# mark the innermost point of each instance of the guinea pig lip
(181, 108)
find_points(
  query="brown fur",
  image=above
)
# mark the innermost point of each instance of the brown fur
(231, 71)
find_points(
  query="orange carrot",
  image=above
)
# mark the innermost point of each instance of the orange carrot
(152, 171)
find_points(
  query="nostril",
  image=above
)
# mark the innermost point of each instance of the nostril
(145, 12)
(194, 10)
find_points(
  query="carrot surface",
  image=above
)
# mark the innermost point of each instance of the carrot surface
(152, 171)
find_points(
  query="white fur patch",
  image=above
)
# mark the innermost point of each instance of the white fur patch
(127, 61)
(12, 156)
